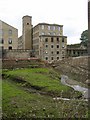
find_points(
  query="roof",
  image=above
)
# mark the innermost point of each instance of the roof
(8, 24)
(48, 24)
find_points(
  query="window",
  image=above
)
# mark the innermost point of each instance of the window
(1, 32)
(46, 39)
(10, 32)
(48, 27)
(53, 27)
(10, 48)
(1, 40)
(62, 39)
(10, 41)
(52, 39)
(57, 52)
(42, 26)
(59, 28)
(52, 52)
(57, 39)
(43, 33)
(57, 46)
(46, 46)
(46, 58)
(57, 58)
(46, 52)
(51, 46)
(49, 33)
(51, 58)
(27, 23)
(54, 33)
(62, 45)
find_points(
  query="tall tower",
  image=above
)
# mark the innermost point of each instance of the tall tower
(27, 32)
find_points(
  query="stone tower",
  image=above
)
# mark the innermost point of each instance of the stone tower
(27, 32)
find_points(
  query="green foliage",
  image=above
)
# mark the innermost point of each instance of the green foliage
(84, 37)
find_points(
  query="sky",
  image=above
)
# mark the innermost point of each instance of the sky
(72, 14)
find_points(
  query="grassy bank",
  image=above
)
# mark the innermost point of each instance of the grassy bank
(28, 93)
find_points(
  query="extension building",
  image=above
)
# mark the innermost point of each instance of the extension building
(8, 36)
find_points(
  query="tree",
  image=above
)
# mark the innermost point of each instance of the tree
(84, 38)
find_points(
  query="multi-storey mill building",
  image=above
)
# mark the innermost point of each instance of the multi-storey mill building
(46, 40)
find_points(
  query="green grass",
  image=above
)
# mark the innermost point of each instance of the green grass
(18, 102)
(46, 79)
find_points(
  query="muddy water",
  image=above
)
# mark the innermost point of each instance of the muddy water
(83, 90)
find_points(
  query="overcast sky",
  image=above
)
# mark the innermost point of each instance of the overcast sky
(70, 13)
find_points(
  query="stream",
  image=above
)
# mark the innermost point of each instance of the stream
(77, 87)
(83, 90)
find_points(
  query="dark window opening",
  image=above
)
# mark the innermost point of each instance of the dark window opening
(27, 23)
(57, 39)
(51, 58)
(46, 46)
(57, 52)
(46, 40)
(52, 52)
(57, 46)
(2, 40)
(62, 39)
(46, 58)
(10, 48)
(51, 46)
(74, 52)
(57, 58)
(51, 39)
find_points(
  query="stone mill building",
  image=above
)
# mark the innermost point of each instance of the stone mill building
(45, 40)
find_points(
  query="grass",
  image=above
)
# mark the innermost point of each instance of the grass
(20, 103)
(42, 78)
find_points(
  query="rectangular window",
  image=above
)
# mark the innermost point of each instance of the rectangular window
(57, 52)
(10, 32)
(46, 46)
(10, 48)
(10, 41)
(52, 52)
(51, 46)
(62, 39)
(51, 39)
(46, 39)
(49, 27)
(57, 58)
(46, 58)
(43, 33)
(42, 27)
(49, 33)
(57, 39)
(57, 46)
(1, 32)
(59, 28)
(1, 40)
(53, 27)
(51, 58)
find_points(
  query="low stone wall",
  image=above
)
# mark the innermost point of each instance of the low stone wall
(16, 54)
(21, 63)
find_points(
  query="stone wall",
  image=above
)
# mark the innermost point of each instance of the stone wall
(16, 54)
(22, 63)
